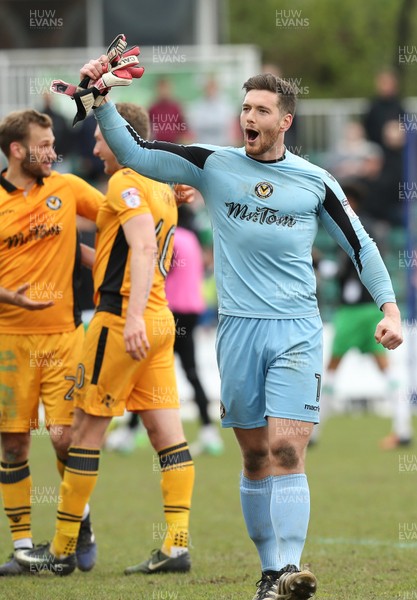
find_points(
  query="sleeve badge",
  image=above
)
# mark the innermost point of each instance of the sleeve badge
(131, 197)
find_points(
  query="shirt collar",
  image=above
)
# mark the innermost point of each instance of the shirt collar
(266, 162)
(9, 187)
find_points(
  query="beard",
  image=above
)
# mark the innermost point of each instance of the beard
(32, 167)
(266, 142)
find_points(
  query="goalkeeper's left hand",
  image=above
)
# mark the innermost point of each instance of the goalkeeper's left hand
(104, 75)
(118, 67)
(95, 68)
(101, 76)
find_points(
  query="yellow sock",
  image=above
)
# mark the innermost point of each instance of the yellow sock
(16, 486)
(60, 465)
(177, 485)
(80, 478)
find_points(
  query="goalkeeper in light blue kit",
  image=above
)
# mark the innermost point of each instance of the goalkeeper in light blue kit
(264, 204)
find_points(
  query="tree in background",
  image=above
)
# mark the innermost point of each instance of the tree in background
(334, 49)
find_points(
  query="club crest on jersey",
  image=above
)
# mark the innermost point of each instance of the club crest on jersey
(53, 202)
(131, 197)
(263, 189)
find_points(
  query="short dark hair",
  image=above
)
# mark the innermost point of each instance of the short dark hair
(15, 127)
(136, 116)
(286, 93)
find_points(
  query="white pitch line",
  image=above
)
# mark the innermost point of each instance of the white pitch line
(352, 542)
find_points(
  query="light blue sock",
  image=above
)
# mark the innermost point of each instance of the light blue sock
(255, 497)
(290, 513)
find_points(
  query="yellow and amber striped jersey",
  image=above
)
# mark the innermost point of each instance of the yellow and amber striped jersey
(39, 245)
(130, 194)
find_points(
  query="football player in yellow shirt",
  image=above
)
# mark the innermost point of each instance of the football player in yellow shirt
(39, 351)
(128, 361)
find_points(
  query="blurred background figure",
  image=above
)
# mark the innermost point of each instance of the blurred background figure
(381, 123)
(213, 117)
(168, 123)
(184, 288)
(62, 132)
(354, 325)
(88, 166)
(385, 106)
(354, 156)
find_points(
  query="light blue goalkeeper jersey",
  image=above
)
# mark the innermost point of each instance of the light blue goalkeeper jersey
(264, 217)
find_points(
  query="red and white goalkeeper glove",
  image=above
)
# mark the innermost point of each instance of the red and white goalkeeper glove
(116, 48)
(121, 69)
(121, 74)
(114, 53)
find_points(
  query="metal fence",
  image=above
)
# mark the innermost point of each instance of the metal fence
(27, 75)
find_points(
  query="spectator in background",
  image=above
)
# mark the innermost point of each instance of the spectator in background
(89, 167)
(354, 155)
(385, 106)
(381, 122)
(63, 134)
(87, 233)
(213, 118)
(381, 173)
(168, 123)
(388, 208)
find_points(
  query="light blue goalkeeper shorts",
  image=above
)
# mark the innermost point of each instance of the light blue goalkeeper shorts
(269, 368)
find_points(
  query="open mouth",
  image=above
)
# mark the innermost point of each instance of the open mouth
(251, 135)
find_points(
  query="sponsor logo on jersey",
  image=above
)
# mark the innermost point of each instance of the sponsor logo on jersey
(262, 215)
(36, 233)
(131, 197)
(263, 189)
(53, 202)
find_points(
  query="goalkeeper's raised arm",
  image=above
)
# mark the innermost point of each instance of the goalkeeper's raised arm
(158, 160)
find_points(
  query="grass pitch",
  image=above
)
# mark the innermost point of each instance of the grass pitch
(362, 539)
